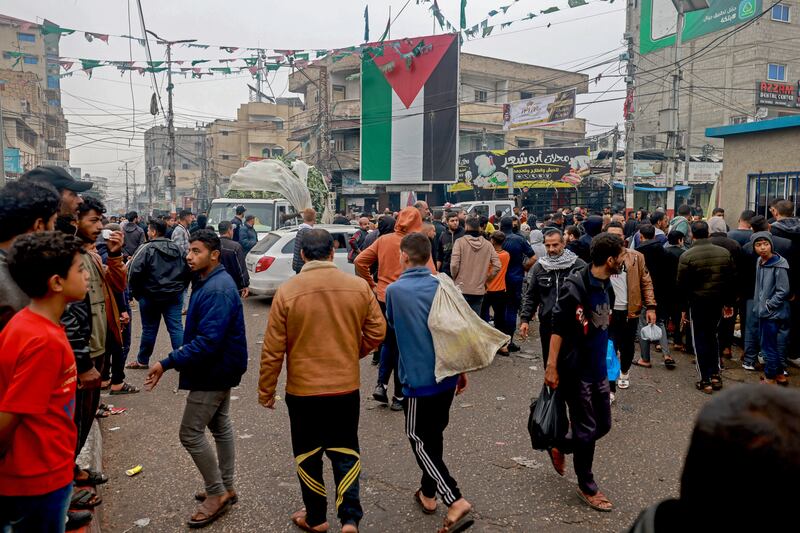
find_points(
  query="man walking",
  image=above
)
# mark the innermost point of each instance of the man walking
(323, 378)
(706, 276)
(211, 361)
(180, 234)
(232, 258)
(134, 235)
(633, 293)
(744, 230)
(309, 219)
(473, 263)
(158, 276)
(544, 285)
(386, 253)
(521, 259)
(358, 240)
(577, 361)
(427, 403)
(444, 247)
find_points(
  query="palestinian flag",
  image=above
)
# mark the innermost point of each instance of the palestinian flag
(409, 111)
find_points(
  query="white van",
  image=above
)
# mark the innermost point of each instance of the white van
(487, 208)
(268, 213)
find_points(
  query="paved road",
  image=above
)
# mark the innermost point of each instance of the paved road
(512, 488)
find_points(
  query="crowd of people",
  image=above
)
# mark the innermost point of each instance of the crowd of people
(69, 274)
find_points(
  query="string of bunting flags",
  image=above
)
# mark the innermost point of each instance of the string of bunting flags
(282, 58)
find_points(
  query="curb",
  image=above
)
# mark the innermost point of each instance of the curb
(91, 456)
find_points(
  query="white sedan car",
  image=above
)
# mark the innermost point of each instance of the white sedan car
(270, 261)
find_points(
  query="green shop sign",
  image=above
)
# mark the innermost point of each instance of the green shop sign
(657, 25)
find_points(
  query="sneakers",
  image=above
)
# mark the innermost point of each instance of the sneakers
(397, 404)
(749, 366)
(612, 397)
(760, 359)
(380, 393)
(624, 380)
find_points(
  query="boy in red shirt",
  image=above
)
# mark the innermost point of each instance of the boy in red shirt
(37, 385)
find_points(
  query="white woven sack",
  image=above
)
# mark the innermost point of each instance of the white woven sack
(461, 340)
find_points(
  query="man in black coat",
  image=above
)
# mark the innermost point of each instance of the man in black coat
(663, 268)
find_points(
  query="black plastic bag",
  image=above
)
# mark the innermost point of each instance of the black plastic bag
(548, 422)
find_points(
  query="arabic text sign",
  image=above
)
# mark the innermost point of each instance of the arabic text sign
(539, 111)
(658, 19)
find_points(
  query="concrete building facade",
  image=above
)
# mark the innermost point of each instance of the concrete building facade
(260, 131)
(750, 74)
(762, 163)
(486, 84)
(34, 127)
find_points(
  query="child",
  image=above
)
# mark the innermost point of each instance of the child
(771, 298)
(37, 385)
(496, 290)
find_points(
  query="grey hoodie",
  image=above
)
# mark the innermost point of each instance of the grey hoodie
(772, 284)
(474, 261)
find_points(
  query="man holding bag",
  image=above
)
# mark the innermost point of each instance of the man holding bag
(577, 361)
(427, 403)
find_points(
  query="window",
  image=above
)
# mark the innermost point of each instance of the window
(475, 144)
(738, 119)
(30, 60)
(278, 124)
(524, 95)
(776, 72)
(523, 143)
(780, 13)
(481, 95)
(225, 157)
(277, 151)
(31, 38)
(52, 82)
(339, 93)
(184, 166)
(648, 141)
(224, 133)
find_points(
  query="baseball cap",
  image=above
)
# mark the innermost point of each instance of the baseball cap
(58, 177)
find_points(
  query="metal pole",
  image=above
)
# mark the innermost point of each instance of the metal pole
(258, 77)
(672, 138)
(629, 127)
(324, 123)
(171, 127)
(614, 152)
(127, 190)
(688, 151)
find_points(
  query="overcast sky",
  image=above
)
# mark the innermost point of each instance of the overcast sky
(102, 110)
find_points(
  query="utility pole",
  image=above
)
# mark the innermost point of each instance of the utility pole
(324, 158)
(484, 146)
(170, 118)
(127, 189)
(671, 115)
(630, 82)
(258, 76)
(614, 142)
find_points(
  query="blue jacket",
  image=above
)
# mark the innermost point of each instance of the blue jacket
(214, 352)
(247, 237)
(772, 288)
(519, 249)
(408, 304)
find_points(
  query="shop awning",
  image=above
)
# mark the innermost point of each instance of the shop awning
(678, 188)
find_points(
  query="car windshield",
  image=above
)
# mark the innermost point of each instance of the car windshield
(266, 243)
(264, 214)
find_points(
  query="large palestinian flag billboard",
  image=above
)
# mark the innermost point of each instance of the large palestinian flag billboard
(409, 111)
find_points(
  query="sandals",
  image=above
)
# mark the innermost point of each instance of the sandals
(422, 505)
(716, 382)
(83, 500)
(136, 365)
(598, 501)
(232, 497)
(127, 388)
(704, 386)
(462, 524)
(669, 362)
(204, 516)
(642, 363)
(299, 519)
(92, 480)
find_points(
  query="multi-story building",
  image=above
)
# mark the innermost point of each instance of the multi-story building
(744, 71)
(260, 131)
(99, 188)
(486, 84)
(33, 122)
(190, 164)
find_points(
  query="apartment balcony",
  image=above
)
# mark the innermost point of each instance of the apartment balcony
(268, 136)
(300, 124)
(480, 113)
(345, 160)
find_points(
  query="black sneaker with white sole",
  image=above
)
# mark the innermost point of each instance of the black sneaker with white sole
(397, 404)
(380, 393)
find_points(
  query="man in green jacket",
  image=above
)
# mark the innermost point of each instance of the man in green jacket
(706, 276)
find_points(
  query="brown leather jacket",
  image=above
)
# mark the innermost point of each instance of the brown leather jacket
(323, 321)
(115, 279)
(640, 286)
